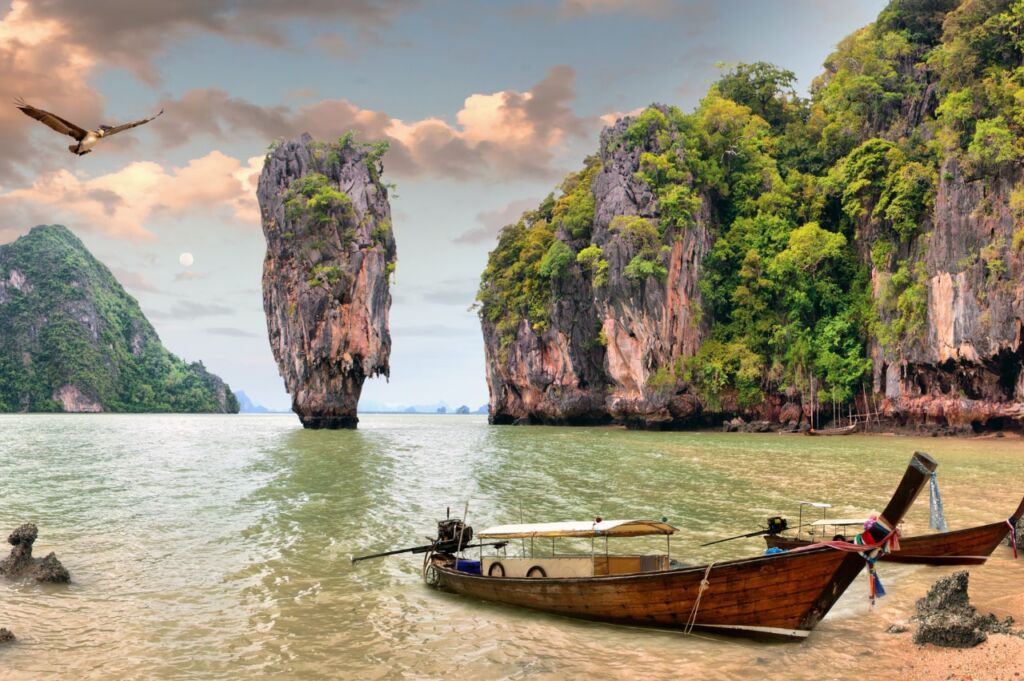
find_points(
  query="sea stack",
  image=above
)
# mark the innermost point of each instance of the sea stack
(330, 255)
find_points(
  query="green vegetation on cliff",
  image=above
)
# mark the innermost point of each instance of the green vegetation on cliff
(68, 328)
(819, 209)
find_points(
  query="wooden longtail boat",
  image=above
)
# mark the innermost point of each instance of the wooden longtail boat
(776, 596)
(844, 430)
(971, 546)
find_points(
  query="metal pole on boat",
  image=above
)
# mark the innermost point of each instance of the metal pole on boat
(465, 514)
(524, 538)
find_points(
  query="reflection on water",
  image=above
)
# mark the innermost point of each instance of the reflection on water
(218, 547)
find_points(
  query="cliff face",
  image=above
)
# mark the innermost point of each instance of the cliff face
(781, 258)
(966, 371)
(72, 339)
(330, 254)
(609, 329)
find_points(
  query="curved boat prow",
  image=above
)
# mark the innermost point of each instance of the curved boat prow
(918, 474)
(1018, 513)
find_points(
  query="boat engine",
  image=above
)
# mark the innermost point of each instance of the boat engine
(777, 525)
(453, 535)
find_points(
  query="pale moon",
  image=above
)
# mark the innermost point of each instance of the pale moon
(186, 259)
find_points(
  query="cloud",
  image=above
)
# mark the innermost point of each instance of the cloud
(492, 221)
(460, 292)
(49, 71)
(133, 280)
(609, 119)
(505, 133)
(188, 275)
(120, 203)
(573, 8)
(231, 332)
(433, 331)
(333, 45)
(187, 309)
(130, 37)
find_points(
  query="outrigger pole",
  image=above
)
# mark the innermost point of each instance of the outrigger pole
(440, 547)
(776, 525)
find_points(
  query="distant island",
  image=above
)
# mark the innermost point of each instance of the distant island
(73, 340)
(247, 406)
(440, 407)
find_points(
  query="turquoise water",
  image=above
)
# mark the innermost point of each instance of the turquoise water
(218, 546)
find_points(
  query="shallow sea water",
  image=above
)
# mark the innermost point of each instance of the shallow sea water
(217, 547)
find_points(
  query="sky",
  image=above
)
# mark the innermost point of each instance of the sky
(487, 105)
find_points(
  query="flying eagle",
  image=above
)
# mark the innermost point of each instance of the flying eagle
(86, 139)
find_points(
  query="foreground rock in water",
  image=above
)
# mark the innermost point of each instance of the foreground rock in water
(20, 564)
(330, 254)
(946, 618)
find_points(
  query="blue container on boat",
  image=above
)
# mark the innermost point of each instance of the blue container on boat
(470, 566)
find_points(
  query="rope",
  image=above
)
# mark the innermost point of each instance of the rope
(704, 584)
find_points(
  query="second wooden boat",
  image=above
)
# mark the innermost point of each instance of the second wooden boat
(971, 546)
(778, 596)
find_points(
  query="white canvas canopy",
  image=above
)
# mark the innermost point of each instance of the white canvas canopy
(579, 528)
(841, 521)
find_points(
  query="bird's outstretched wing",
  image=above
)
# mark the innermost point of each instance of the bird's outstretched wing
(109, 130)
(54, 121)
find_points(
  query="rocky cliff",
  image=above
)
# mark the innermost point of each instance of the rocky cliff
(72, 339)
(330, 255)
(623, 300)
(775, 257)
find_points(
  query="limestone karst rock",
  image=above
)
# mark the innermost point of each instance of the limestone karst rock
(775, 257)
(20, 564)
(326, 276)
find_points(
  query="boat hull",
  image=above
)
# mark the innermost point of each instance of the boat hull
(778, 597)
(845, 430)
(781, 596)
(971, 546)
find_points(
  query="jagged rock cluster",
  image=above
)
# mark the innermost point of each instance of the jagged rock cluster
(945, 616)
(330, 255)
(20, 564)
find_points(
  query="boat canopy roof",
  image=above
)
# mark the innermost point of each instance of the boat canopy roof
(579, 528)
(840, 521)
